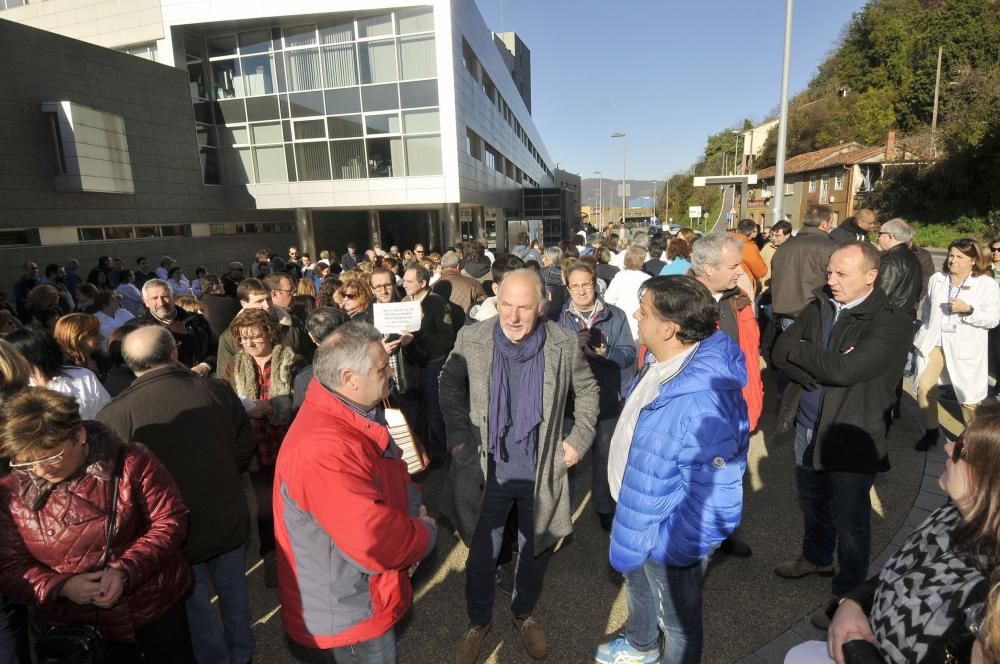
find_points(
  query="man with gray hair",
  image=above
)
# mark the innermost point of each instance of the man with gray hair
(349, 524)
(639, 239)
(504, 393)
(899, 274)
(192, 333)
(200, 432)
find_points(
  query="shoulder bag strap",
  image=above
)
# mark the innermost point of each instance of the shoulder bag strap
(116, 474)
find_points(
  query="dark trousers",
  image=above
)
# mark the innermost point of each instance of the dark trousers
(836, 508)
(263, 486)
(163, 641)
(480, 568)
(13, 632)
(434, 436)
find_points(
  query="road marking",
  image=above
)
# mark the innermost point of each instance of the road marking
(267, 616)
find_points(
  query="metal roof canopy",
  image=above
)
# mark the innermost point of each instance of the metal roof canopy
(742, 180)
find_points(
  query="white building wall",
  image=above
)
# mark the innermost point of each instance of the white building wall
(112, 23)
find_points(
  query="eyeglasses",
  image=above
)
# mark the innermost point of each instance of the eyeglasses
(282, 290)
(257, 339)
(581, 288)
(958, 451)
(350, 296)
(381, 286)
(994, 250)
(48, 462)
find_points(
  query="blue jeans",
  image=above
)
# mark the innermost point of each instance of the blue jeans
(480, 568)
(380, 650)
(13, 632)
(667, 598)
(231, 642)
(836, 508)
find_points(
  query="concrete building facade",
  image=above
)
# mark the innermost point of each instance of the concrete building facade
(371, 121)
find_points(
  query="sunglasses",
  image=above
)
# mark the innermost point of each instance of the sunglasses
(349, 296)
(994, 250)
(958, 451)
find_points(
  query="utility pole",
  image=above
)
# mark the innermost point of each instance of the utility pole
(779, 167)
(937, 86)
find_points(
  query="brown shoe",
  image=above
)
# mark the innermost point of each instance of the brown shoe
(798, 568)
(472, 641)
(532, 636)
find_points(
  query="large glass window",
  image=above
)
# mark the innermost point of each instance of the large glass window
(345, 126)
(375, 26)
(270, 163)
(303, 35)
(418, 19)
(258, 75)
(339, 66)
(307, 129)
(262, 108)
(336, 33)
(418, 93)
(377, 61)
(227, 80)
(423, 155)
(417, 57)
(379, 98)
(305, 104)
(303, 69)
(418, 122)
(385, 157)
(345, 100)
(348, 159)
(269, 132)
(238, 166)
(257, 41)
(313, 161)
(382, 124)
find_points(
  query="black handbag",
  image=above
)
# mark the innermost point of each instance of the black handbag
(82, 644)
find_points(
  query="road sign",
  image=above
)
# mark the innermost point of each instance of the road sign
(694, 211)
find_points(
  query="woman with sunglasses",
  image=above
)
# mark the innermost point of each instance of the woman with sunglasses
(356, 299)
(962, 305)
(922, 606)
(54, 523)
(261, 374)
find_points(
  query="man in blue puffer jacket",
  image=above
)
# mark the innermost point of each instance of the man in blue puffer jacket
(676, 469)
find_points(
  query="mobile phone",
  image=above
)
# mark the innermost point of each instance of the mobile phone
(596, 338)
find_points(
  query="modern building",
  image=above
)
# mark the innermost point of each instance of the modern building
(517, 57)
(371, 120)
(841, 176)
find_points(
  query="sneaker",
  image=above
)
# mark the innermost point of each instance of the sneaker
(471, 643)
(271, 570)
(620, 651)
(929, 440)
(798, 568)
(532, 636)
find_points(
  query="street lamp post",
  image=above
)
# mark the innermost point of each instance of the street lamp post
(779, 166)
(600, 196)
(621, 135)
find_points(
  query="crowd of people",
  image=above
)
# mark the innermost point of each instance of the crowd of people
(135, 402)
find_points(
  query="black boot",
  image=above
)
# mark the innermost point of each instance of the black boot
(929, 440)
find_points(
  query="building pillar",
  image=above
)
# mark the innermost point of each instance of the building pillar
(374, 229)
(305, 233)
(501, 231)
(451, 226)
(477, 222)
(433, 234)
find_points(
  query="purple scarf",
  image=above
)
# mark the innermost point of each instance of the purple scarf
(525, 399)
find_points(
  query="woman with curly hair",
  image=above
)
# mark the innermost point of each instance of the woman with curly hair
(261, 374)
(356, 298)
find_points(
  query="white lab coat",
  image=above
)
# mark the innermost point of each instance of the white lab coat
(965, 350)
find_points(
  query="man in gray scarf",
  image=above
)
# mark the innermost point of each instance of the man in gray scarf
(503, 397)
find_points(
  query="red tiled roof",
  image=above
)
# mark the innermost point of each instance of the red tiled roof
(837, 155)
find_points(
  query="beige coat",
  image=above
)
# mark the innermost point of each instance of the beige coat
(465, 394)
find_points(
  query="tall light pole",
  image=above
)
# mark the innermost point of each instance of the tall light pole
(937, 87)
(778, 211)
(600, 196)
(621, 135)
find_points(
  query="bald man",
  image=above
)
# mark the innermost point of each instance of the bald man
(198, 429)
(856, 229)
(504, 392)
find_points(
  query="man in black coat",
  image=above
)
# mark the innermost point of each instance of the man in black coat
(845, 354)
(855, 229)
(195, 342)
(198, 429)
(899, 273)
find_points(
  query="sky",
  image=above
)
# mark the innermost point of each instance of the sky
(667, 73)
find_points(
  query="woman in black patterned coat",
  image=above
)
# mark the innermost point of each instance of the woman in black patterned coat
(923, 606)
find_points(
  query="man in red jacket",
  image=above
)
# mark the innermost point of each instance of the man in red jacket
(349, 525)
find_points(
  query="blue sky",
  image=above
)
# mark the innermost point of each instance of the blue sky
(666, 72)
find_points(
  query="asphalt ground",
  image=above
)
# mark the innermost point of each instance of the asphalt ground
(583, 603)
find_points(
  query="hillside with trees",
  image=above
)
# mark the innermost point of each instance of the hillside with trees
(880, 77)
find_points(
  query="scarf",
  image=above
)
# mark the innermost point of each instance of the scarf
(525, 399)
(245, 373)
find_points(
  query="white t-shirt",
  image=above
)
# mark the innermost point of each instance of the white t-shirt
(645, 393)
(109, 324)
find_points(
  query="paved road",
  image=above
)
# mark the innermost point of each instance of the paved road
(583, 602)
